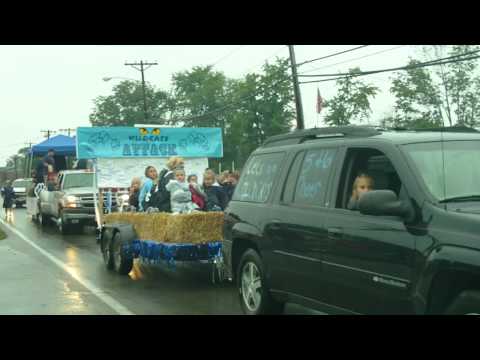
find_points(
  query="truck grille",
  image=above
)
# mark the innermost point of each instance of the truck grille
(87, 200)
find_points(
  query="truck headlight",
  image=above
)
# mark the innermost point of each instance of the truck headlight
(70, 201)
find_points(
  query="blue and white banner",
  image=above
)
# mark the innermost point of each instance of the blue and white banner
(132, 142)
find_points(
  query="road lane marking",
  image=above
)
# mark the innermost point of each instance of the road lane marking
(104, 297)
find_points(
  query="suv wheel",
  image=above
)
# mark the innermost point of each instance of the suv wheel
(122, 262)
(255, 297)
(467, 303)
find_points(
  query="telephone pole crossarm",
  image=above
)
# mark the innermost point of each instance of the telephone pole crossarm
(142, 70)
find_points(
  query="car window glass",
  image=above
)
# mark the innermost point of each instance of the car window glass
(449, 169)
(258, 178)
(377, 167)
(313, 178)
(291, 182)
(78, 180)
(21, 184)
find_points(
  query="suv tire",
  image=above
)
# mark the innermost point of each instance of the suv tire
(122, 262)
(467, 303)
(255, 297)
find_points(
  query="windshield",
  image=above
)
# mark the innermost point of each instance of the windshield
(462, 167)
(78, 180)
(21, 184)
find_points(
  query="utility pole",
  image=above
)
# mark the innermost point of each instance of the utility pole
(28, 160)
(48, 132)
(68, 131)
(142, 70)
(296, 89)
(15, 159)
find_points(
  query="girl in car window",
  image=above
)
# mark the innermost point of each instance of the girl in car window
(362, 184)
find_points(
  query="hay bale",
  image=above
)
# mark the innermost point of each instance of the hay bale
(159, 230)
(196, 228)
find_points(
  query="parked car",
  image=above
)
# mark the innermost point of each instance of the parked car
(20, 188)
(413, 247)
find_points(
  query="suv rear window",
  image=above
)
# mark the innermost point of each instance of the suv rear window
(313, 177)
(258, 178)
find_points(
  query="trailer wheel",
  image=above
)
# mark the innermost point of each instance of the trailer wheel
(106, 247)
(42, 219)
(122, 262)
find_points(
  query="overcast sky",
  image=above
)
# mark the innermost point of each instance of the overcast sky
(52, 87)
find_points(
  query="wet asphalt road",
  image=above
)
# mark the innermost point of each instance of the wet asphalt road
(32, 283)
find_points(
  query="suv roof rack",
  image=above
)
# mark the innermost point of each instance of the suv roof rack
(437, 129)
(300, 136)
(451, 129)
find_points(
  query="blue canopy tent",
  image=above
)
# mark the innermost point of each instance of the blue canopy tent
(63, 145)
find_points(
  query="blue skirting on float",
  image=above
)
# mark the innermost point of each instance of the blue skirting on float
(154, 252)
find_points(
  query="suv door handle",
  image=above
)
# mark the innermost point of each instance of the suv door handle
(276, 225)
(335, 233)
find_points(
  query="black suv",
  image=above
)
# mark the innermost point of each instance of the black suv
(412, 247)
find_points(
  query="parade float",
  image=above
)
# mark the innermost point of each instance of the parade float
(122, 153)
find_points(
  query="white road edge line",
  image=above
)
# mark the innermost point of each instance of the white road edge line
(107, 299)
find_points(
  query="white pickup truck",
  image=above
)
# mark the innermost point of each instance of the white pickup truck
(20, 187)
(71, 202)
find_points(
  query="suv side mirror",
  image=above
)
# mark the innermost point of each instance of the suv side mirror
(384, 202)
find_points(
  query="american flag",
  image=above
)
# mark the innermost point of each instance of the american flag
(319, 102)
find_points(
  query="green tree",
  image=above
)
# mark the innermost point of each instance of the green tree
(125, 106)
(418, 103)
(441, 94)
(352, 102)
(248, 110)
(198, 95)
(265, 108)
(20, 161)
(463, 86)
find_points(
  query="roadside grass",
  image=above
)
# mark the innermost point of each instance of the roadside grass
(2, 235)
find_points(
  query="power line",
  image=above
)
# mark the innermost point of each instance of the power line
(408, 67)
(283, 47)
(228, 55)
(331, 55)
(398, 68)
(235, 103)
(68, 131)
(48, 133)
(242, 99)
(142, 69)
(353, 59)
